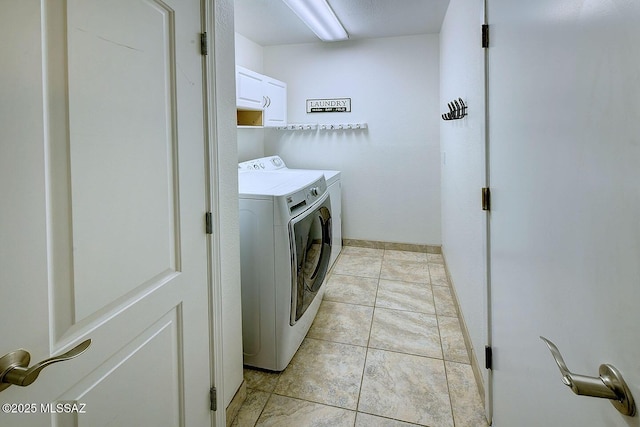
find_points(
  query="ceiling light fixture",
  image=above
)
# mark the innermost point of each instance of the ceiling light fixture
(320, 18)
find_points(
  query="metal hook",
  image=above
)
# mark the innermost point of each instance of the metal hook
(464, 107)
(458, 110)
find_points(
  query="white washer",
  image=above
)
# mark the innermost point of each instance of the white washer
(285, 245)
(334, 186)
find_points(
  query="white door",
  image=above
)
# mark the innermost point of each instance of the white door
(565, 222)
(102, 177)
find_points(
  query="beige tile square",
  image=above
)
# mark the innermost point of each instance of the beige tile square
(355, 265)
(405, 296)
(367, 420)
(453, 345)
(251, 408)
(435, 258)
(405, 332)
(324, 372)
(284, 411)
(405, 271)
(351, 289)
(405, 255)
(468, 409)
(444, 302)
(407, 388)
(340, 322)
(437, 272)
(440, 281)
(261, 380)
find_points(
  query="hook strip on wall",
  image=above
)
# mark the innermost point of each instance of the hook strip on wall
(324, 126)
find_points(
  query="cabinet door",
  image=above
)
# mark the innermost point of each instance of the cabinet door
(275, 113)
(249, 89)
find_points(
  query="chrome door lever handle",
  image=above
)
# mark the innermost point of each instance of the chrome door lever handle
(14, 366)
(609, 385)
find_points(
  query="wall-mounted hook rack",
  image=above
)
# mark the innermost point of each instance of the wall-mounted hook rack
(324, 126)
(342, 126)
(299, 126)
(457, 110)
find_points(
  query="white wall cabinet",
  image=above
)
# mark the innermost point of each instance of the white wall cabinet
(261, 100)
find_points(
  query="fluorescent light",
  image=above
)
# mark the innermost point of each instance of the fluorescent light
(319, 17)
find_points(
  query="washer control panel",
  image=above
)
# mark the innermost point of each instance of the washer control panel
(301, 199)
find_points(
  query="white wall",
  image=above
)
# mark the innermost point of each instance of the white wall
(250, 144)
(225, 165)
(391, 171)
(249, 54)
(463, 165)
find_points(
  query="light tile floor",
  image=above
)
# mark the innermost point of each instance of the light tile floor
(385, 349)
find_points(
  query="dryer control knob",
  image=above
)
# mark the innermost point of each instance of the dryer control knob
(314, 191)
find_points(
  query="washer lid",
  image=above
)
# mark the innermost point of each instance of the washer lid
(272, 163)
(275, 183)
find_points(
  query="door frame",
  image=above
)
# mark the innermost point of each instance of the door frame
(488, 387)
(212, 201)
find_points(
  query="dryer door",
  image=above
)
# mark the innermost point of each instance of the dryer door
(310, 234)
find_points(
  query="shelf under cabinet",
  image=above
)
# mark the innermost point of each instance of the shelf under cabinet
(250, 118)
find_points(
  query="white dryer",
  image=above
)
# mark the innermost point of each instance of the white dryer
(334, 187)
(285, 245)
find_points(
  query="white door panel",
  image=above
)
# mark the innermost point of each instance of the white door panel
(565, 205)
(158, 349)
(132, 129)
(103, 189)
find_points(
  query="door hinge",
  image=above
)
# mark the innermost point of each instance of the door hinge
(204, 46)
(486, 199)
(208, 223)
(213, 397)
(488, 357)
(485, 35)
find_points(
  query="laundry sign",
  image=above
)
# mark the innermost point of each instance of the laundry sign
(330, 105)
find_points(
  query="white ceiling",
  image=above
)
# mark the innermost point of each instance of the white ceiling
(271, 22)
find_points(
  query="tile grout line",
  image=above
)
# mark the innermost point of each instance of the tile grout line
(446, 374)
(364, 366)
(444, 364)
(264, 407)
